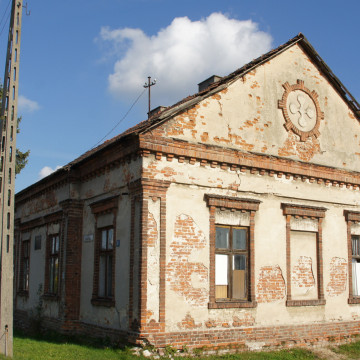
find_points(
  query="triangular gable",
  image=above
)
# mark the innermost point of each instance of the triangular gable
(285, 105)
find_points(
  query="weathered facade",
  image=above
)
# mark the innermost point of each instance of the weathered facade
(231, 217)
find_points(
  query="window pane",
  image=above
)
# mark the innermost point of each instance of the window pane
(109, 277)
(222, 238)
(239, 239)
(26, 275)
(52, 245)
(56, 244)
(103, 239)
(356, 277)
(221, 276)
(56, 274)
(239, 277)
(110, 239)
(51, 276)
(102, 272)
(239, 262)
(355, 240)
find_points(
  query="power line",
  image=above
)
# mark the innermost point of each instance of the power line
(4, 17)
(121, 120)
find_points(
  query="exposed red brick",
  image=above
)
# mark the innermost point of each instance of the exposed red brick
(302, 274)
(188, 238)
(304, 150)
(188, 323)
(271, 284)
(338, 276)
(152, 231)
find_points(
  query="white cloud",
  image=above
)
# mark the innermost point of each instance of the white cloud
(47, 170)
(181, 55)
(27, 105)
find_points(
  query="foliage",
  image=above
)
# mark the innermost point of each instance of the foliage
(21, 157)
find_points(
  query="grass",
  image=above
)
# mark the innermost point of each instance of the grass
(55, 346)
(58, 347)
(352, 351)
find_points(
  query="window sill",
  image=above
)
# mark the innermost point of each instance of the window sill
(231, 304)
(103, 302)
(354, 300)
(51, 297)
(315, 302)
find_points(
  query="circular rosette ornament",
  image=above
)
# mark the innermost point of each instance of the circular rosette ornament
(301, 110)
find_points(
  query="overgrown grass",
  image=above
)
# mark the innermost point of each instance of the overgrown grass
(352, 351)
(56, 346)
(293, 354)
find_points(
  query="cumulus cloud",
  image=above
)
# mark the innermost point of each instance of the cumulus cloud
(182, 54)
(27, 105)
(47, 170)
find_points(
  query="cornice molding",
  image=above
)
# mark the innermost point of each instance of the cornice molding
(255, 163)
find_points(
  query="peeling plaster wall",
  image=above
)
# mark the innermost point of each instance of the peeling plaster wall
(109, 183)
(304, 265)
(111, 180)
(37, 266)
(42, 205)
(115, 317)
(246, 116)
(190, 184)
(153, 285)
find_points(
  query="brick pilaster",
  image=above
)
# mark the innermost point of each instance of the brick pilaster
(73, 217)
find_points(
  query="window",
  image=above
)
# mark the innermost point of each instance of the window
(304, 263)
(232, 252)
(37, 244)
(54, 264)
(105, 289)
(355, 252)
(353, 239)
(104, 251)
(231, 262)
(25, 266)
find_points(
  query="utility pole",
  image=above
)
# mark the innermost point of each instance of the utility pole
(8, 126)
(148, 85)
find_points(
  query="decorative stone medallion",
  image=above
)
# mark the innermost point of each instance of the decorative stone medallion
(301, 110)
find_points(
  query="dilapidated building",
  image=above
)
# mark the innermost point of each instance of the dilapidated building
(231, 217)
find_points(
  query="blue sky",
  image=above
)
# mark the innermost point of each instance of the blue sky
(84, 62)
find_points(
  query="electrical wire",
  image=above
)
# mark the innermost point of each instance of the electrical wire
(6, 18)
(120, 121)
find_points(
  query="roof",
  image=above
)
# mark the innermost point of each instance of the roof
(169, 112)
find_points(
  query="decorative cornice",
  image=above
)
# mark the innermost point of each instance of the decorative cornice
(255, 163)
(303, 210)
(352, 215)
(54, 217)
(232, 202)
(105, 206)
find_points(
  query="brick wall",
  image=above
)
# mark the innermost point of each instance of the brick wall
(188, 238)
(338, 276)
(270, 285)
